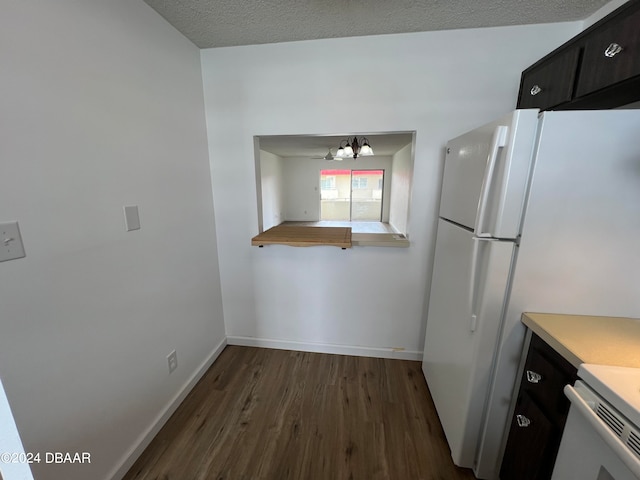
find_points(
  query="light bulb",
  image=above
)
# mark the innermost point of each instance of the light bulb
(366, 150)
(348, 151)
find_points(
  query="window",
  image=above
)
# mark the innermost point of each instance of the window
(291, 188)
(327, 183)
(358, 182)
(356, 203)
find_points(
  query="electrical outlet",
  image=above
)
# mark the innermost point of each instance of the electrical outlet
(172, 360)
(10, 242)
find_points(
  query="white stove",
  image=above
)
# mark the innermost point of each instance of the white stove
(601, 440)
(619, 386)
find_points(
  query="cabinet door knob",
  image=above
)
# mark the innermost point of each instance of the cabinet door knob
(533, 377)
(523, 421)
(535, 90)
(612, 50)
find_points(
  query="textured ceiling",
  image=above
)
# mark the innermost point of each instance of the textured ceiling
(223, 23)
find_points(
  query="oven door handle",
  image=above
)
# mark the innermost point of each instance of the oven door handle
(628, 458)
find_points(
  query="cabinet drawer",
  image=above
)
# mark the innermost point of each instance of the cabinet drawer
(540, 414)
(544, 378)
(531, 448)
(549, 83)
(611, 55)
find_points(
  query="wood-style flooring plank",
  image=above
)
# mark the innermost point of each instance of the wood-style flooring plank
(261, 414)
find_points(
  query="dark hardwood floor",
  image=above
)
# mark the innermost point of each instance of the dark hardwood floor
(276, 415)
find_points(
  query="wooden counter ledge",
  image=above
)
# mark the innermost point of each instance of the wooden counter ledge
(304, 236)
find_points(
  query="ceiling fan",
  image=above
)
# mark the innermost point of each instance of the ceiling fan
(328, 157)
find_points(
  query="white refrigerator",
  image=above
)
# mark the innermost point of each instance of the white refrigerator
(538, 212)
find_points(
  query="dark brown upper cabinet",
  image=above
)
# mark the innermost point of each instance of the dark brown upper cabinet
(611, 55)
(598, 68)
(551, 82)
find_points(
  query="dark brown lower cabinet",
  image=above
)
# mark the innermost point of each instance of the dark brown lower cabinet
(539, 416)
(530, 443)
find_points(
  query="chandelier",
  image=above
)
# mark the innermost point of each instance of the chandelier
(354, 147)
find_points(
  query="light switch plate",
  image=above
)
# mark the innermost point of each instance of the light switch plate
(10, 242)
(131, 217)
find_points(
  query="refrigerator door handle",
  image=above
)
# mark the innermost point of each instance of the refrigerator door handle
(475, 260)
(498, 141)
(473, 282)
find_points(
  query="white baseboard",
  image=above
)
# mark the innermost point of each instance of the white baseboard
(145, 438)
(378, 352)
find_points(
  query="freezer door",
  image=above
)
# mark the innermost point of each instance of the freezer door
(465, 310)
(485, 175)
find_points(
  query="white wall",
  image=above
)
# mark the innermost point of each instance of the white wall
(401, 180)
(367, 297)
(302, 183)
(272, 189)
(102, 107)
